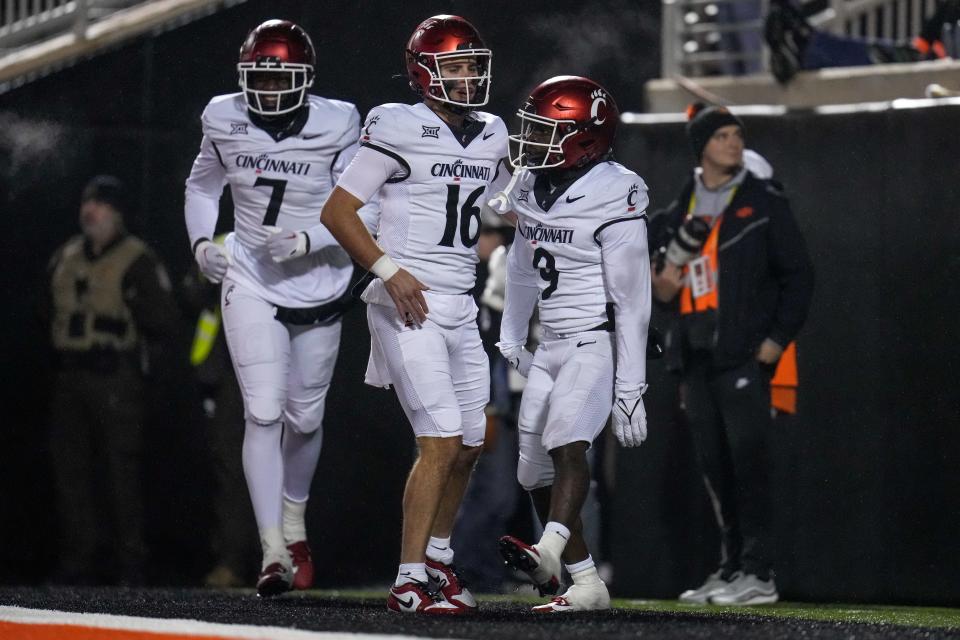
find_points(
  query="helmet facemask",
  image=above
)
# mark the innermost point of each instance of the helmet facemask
(539, 141)
(294, 80)
(476, 87)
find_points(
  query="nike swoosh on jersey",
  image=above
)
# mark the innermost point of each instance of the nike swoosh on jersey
(580, 344)
(311, 137)
(487, 135)
(572, 200)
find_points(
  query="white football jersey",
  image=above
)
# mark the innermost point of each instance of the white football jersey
(283, 184)
(561, 245)
(430, 209)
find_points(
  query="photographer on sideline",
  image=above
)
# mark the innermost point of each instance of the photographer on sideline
(729, 254)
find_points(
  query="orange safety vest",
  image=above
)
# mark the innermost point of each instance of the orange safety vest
(783, 385)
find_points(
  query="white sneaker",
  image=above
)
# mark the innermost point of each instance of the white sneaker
(542, 566)
(746, 589)
(579, 597)
(701, 595)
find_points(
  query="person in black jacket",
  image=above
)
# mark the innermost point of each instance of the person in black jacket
(732, 258)
(107, 294)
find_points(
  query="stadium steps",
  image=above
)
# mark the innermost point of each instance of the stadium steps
(106, 28)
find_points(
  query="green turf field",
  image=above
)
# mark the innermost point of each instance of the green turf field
(934, 617)
(927, 617)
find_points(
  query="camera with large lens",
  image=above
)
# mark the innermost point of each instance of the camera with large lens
(685, 244)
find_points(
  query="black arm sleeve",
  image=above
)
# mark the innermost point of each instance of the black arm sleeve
(146, 290)
(45, 299)
(791, 266)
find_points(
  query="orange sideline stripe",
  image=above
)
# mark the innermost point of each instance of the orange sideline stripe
(40, 631)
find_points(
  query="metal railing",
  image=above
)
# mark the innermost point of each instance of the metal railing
(707, 37)
(886, 19)
(23, 22)
(696, 36)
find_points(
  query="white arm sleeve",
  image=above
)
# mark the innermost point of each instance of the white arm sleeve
(501, 178)
(626, 274)
(368, 171)
(500, 187)
(521, 295)
(203, 190)
(370, 212)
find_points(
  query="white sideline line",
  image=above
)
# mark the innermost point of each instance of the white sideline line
(21, 615)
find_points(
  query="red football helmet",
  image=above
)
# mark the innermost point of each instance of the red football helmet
(276, 68)
(566, 122)
(442, 38)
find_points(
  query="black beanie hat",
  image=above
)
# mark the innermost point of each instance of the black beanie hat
(705, 123)
(109, 190)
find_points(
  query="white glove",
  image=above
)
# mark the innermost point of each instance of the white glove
(286, 245)
(212, 259)
(518, 358)
(629, 417)
(501, 200)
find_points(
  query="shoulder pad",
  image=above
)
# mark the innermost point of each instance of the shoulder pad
(223, 110)
(336, 116)
(381, 126)
(331, 103)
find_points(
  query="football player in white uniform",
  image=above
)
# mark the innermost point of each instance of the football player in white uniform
(284, 277)
(431, 163)
(580, 253)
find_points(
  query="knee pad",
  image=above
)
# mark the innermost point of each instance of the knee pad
(263, 411)
(534, 473)
(305, 418)
(474, 428)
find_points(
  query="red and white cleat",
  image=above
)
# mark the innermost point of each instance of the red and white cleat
(302, 564)
(450, 585)
(542, 567)
(274, 579)
(416, 597)
(579, 597)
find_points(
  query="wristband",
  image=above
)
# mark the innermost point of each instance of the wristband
(199, 241)
(384, 268)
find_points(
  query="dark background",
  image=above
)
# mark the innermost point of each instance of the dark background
(868, 500)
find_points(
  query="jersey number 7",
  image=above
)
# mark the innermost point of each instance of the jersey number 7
(276, 198)
(468, 212)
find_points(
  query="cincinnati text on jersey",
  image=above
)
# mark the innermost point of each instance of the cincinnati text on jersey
(460, 170)
(263, 162)
(540, 233)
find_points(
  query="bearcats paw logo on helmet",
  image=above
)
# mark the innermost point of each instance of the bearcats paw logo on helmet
(599, 100)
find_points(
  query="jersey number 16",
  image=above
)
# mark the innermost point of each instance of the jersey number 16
(467, 213)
